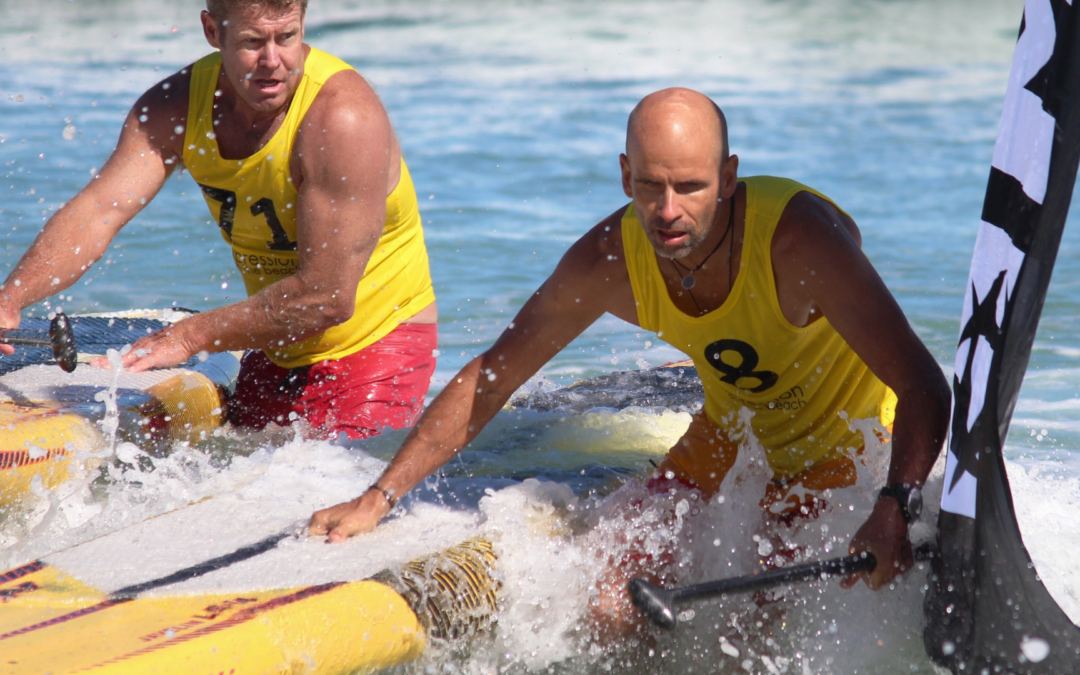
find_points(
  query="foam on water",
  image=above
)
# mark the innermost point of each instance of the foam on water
(556, 543)
(556, 548)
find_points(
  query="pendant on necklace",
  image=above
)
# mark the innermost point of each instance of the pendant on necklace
(688, 281)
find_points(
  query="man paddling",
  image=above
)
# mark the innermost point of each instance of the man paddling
(300, 167)
(763, 283)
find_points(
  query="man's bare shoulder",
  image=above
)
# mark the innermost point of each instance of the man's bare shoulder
(346, 129)
(817, 258)
(346, 102)
(161, 112)
(810, 222)
(595, 263)
(602, 244)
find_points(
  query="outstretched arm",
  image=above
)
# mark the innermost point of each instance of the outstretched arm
(821, 270)
(589, 280)
(346, 162)
(79, 233)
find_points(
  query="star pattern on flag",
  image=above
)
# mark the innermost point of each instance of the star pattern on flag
(982, 324)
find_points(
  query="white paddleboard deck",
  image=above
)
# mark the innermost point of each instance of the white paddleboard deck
(218, 526)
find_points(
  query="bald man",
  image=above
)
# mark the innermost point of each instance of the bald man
(761, 281)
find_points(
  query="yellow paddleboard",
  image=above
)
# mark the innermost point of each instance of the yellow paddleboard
(52, 623)
(38, 440)
(187, 591)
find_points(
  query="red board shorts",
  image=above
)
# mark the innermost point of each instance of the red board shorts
(381, 386)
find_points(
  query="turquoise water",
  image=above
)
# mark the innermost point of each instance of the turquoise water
(511, 116)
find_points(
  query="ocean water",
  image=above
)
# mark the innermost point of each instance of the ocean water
(511, 116)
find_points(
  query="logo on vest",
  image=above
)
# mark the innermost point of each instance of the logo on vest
(792, 399)
(748, 361)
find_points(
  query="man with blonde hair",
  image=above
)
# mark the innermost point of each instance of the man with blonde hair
(298, 162)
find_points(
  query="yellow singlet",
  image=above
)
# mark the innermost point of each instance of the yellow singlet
(254, 201)
(802, 384)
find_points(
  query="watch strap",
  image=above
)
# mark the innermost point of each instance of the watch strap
(899, 492)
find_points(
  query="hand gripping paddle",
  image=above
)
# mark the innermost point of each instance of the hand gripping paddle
(61, 338)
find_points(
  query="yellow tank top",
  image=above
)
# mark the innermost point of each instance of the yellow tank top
(254, 202)
(802, 384)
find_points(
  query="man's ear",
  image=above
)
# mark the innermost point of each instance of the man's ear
(627, 178)
(211, 29)
(729, 177)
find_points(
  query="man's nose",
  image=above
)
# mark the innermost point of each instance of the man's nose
(669, 206)
(270, 57)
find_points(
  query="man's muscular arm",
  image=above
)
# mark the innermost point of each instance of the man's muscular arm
(347, 157)
(590, 279)
(80, 232)
(821, 270)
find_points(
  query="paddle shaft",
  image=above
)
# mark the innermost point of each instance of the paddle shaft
(659, 604)
(26, 338)
(753, 582)
(60, 338)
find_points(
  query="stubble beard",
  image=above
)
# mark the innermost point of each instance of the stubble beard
(696, 239)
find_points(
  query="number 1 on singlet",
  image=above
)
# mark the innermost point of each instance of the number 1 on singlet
(263, 207)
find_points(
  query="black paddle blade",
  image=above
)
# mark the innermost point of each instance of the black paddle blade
(654, 602)
(62, 339)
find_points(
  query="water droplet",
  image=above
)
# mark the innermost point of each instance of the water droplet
(728, 648)
(1035, 649)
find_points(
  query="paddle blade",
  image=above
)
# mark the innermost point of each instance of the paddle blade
(655, 603)
(62, 339)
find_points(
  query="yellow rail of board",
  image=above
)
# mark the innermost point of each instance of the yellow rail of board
(39, 439)
(51, 622)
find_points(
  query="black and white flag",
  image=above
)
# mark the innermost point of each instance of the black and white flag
(986, 609)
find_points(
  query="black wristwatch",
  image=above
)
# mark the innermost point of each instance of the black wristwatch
(908, 496)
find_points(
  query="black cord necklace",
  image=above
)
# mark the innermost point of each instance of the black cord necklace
(688, 280)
